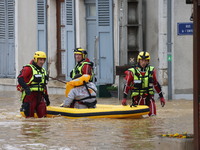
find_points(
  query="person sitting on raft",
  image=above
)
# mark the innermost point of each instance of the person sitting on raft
(80, 93)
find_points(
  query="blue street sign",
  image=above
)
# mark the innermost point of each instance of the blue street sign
(185, 28)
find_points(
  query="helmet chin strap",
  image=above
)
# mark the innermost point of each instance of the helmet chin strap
(35, 64)
(81, 60)
(142, 68)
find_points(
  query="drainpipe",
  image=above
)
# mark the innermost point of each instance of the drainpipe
(196, 74)
(46, 21)
(169, 47)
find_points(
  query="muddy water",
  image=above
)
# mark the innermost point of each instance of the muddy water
(89, 134)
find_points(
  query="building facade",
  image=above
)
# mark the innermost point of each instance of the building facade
(112, 31)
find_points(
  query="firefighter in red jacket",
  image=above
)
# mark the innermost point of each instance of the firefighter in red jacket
(141, 79)
(32, 83)
(83, 66)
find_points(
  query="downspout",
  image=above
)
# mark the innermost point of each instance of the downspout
(120, 26)
(46, 26)
(144, 24)
(169, 47)
(196, 74)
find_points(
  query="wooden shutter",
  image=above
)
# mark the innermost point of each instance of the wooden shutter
(70, 36)
(105, 72)
(41, 25)
(42, 28)
(2, 38)
(2, 20)
(7, 48)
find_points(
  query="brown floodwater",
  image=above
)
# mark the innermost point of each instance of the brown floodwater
(89, 134)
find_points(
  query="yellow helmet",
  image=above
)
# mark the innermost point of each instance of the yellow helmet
(143, 55)
(39, 54)
(80, 51)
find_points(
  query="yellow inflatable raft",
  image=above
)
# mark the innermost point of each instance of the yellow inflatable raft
(101, 111)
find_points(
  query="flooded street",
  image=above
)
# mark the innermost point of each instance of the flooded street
(89, 134)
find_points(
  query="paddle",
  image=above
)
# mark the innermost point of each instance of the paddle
(58, 80)
(61, 105)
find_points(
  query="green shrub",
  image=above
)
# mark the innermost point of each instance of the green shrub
(112, 88)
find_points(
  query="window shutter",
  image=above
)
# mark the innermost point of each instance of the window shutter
(41, 25)
(2, 20)
(103, 13)
(2, 37)
(70, 36)
(42, 28)
(10, 36)
(7, 48)
(105, 73)
(10, 19)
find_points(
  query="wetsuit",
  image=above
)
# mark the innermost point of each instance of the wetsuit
(33, 80)
(83, 67)
(141, 81)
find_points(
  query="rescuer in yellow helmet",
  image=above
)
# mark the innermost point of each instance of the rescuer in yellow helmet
(32, 83)
(83, 64)
(141, 81)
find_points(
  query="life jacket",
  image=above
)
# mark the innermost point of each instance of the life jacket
(78, 69)
(142, 84)
(88, 104)
(76, 82)
(38, 80)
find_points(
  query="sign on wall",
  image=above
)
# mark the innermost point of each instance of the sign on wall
(185, 28)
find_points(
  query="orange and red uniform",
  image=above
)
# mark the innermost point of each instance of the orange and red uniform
(144, 98)
(33, 99)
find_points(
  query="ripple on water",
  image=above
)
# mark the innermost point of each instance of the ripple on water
(72, 134)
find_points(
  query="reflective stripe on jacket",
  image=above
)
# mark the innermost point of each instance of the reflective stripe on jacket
(142, 84)
(78, 69)
(38, 80)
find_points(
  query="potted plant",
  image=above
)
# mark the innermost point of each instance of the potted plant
(113, 90)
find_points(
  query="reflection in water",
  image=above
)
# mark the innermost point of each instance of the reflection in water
(71, 134)
(33, 129)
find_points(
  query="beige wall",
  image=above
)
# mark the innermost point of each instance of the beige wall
(183, 52)
(52, 38)
(26, 28)
(156, 43)
(26, 34)
(152, 32)
(156, 39)
(25, 39)
(80, 24)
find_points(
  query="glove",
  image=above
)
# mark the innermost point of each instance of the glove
(62, 105)
(46, 97)
(124, 102)
(23, 84)
(162, 101)
(27, 91)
